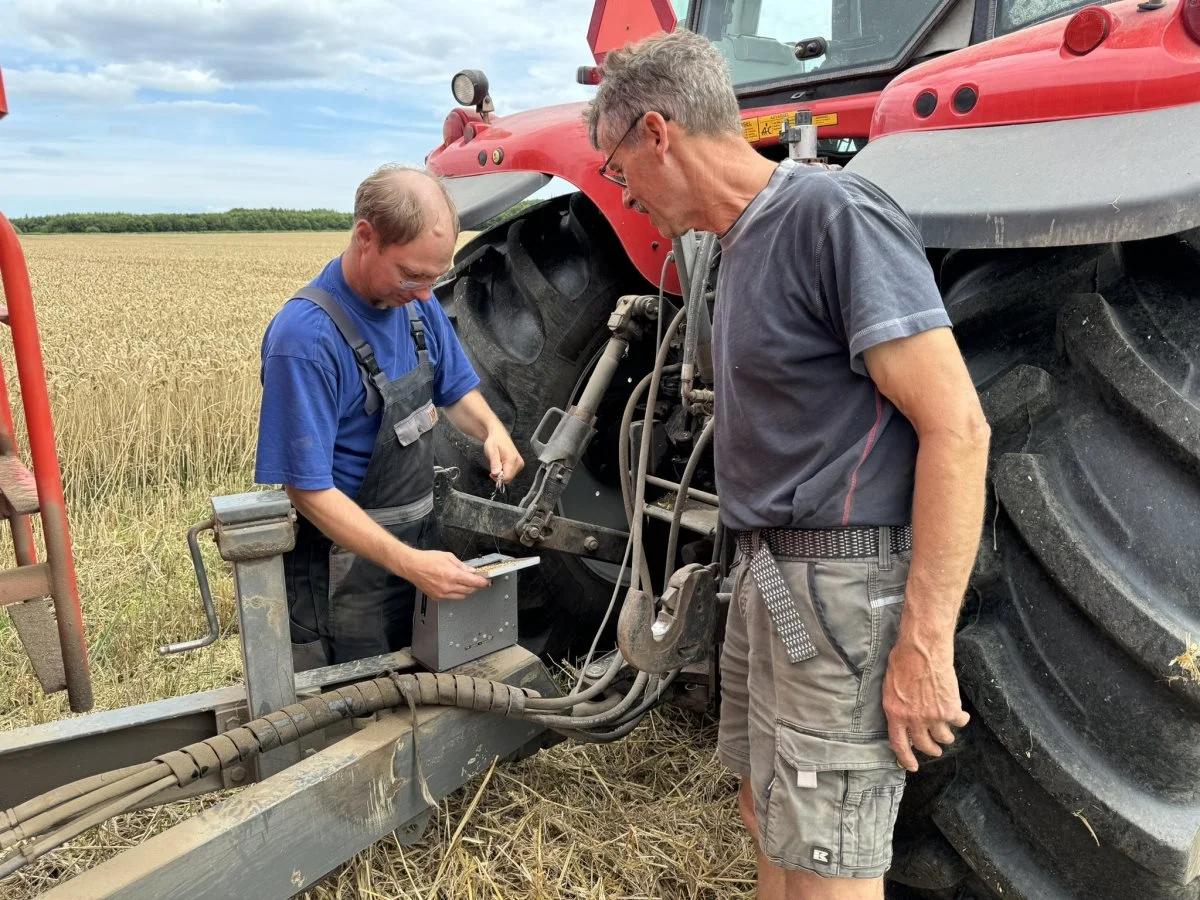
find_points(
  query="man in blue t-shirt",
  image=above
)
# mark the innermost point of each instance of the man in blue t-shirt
(353, 374)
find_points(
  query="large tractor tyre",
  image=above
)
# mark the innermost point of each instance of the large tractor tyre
(530, 301)
(1078, 653)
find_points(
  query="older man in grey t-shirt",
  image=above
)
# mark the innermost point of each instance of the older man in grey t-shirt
(850, 458)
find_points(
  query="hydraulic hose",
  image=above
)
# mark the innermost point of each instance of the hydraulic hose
(635, 527)
(39, 824)
(90, 801)
(603, 737)
(67, 792)
(548, 704)
(626, 723)
(55, 839)
(596, 721)
(623, 448)
(681, 498)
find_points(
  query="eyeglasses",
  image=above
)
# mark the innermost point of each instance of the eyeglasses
(423, 285)
(619, 179)
(419, 285)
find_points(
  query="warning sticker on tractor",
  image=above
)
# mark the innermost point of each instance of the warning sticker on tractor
(762, 127)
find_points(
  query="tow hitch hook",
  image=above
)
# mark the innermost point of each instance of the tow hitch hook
(682, 630)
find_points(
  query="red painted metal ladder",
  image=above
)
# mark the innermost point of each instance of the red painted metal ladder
(60, 661)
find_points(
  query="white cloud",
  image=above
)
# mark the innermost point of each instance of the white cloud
(258, 42)
(69, 87)
(214, 106)
(106, 85)
(162, 175)
(291, 101)
(163, 77)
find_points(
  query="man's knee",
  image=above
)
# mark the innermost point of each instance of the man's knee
(746, 808)
(811, 886)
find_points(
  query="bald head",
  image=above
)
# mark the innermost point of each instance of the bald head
(402, 203)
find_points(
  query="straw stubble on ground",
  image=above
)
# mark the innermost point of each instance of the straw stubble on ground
(151, 345)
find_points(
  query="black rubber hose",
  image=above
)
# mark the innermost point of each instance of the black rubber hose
(627, 723)
(681, 498)
(635, 527)
(597, 721)
(603, 737)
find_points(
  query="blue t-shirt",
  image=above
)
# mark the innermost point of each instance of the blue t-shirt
(313, 430)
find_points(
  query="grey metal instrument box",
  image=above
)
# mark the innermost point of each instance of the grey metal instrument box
(448, 633)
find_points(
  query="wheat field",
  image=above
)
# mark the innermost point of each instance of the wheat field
(151, 347)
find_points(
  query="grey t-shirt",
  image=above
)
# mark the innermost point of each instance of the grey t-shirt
(821, 266)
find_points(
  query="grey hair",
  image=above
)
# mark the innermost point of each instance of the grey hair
(398, 213)
(681, 75)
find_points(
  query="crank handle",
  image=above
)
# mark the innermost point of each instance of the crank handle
(210, 611)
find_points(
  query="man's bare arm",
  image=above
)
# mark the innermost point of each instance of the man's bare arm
(472, 416)
(439, 575)
(925, 377)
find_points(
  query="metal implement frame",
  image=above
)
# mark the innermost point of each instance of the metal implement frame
(320, 800)
(278, 837)
(327, 796)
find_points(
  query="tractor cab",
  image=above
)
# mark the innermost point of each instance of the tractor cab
(831, 47)
(830, 57)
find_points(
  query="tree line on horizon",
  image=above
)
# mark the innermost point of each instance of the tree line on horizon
(237, 219)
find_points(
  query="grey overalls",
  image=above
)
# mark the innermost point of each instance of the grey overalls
(343, 607)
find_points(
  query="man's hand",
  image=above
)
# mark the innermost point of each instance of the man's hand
(502, 456)
(442, 576)
(920, 697)
(471, 415)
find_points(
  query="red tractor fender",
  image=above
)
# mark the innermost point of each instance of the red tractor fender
(1025, 142)
(552, 141)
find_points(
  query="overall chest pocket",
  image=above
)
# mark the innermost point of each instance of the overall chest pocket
(415, 424)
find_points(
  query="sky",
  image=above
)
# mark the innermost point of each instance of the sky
(202, 105)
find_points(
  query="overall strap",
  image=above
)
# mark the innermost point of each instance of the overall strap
(418, 332)
(373, 378)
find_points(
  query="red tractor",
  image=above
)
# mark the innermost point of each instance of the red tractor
(1048, 152)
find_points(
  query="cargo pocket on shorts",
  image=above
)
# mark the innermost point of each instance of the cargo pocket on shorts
(869, 816)
(833, 802)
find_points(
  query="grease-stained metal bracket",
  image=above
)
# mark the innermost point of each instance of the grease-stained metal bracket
(253, 532)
